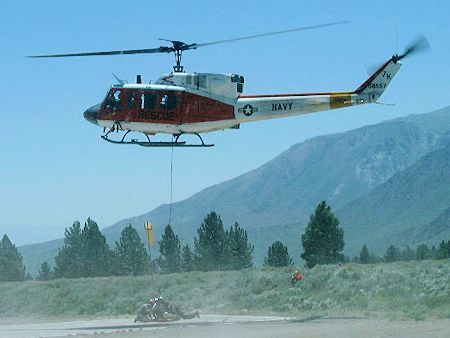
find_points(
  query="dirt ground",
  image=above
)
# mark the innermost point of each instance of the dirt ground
(348, 328)
(217, 326)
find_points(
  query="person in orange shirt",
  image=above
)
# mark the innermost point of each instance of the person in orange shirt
(296, 277)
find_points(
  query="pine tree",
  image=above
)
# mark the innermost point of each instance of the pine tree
(96, 255)
(170, 251)
(130, 254)
(187, 259)
(423, 252)
(364, 255)
(84, 253)
(408, 254)
(69, 260)
(210, 246)
(323, 240)
(392, 254)
(45, 272)
(277, 255)
(434, 252)
(239, 251)
(443, 251)
(11, 267)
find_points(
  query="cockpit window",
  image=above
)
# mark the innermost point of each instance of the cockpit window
(112, 101)
(116, 100)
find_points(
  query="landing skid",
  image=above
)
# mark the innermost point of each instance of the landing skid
(150, 143)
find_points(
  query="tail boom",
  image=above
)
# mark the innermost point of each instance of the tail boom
(260, 107)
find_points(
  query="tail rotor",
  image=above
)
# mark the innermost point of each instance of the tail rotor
(419, 45)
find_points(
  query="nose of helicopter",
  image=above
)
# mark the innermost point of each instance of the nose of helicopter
(91, 114)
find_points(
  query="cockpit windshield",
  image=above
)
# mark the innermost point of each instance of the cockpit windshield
(112, 100)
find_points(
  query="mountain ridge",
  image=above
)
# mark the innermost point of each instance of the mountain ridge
(274, 201)
(408, 209)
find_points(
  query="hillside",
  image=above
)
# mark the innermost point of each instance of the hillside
(35, 254)
(274, 201)
(416, 290)
(410, 208)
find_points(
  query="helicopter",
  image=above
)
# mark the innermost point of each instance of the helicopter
(194, 103)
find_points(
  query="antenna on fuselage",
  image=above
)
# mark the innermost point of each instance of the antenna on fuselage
(119, 80)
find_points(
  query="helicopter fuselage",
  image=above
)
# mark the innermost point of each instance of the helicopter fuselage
(192, 103)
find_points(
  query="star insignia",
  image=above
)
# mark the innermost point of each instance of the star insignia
(248, 110)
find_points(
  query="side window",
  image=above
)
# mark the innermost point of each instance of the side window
(131, 102)
(202, 81)
(172, 103)
(148, 101)
(164, 101)
(168, 102)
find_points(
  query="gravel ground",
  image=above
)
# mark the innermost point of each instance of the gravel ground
(218, 326)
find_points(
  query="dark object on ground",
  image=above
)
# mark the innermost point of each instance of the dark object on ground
(162, 311)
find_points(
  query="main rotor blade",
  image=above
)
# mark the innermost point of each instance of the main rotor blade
(180, 46)
(272, 33)
(114, 52)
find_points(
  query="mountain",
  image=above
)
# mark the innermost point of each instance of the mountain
(441, 224)
(410, 208)
(275, 201)
(35, 254)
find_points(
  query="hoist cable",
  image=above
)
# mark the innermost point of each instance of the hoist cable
(171, 184)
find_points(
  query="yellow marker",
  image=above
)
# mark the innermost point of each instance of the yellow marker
(151, 237)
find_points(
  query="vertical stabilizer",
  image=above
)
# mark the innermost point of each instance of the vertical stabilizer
(379, 81)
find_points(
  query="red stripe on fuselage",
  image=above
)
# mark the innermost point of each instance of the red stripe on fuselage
(290, 95)
(370, 79)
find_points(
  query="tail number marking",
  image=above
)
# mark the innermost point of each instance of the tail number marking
(378, 85)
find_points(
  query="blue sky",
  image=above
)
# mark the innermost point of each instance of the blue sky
(55, 168)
